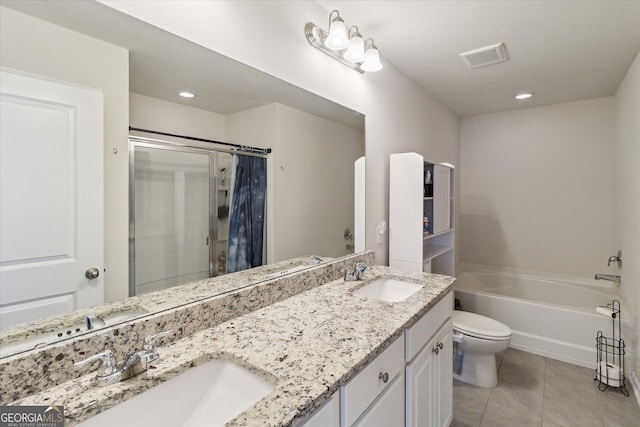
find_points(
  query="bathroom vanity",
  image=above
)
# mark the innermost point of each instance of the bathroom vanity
(332, 357)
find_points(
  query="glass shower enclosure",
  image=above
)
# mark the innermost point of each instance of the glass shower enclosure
(179, 200)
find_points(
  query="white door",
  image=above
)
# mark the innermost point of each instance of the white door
(51, 197)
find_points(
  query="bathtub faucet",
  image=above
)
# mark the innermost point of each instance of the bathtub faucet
(616, 258)
(609, 277)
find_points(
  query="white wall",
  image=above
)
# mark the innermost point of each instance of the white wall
(314, 176)
(400, 116)
(627, 190)
(263, 131)
(537, 188)
(35, 46)
(155, 114)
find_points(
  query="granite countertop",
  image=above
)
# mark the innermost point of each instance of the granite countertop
(25, 335)
(308, 345)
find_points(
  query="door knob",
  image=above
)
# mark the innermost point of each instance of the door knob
(92, 273)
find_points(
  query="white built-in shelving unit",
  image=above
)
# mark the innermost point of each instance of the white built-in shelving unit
(411, 199)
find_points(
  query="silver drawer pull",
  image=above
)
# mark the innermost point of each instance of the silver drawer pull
(384, 377)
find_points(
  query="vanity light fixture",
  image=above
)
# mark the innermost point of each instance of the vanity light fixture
(523, 96)
(186, 94)
(347, 47)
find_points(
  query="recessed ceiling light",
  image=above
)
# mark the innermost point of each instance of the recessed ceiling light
(523, 96)
(186, 94)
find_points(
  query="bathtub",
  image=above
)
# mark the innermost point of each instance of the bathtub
(551, 316)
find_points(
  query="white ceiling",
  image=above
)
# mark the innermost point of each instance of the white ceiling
(561, 50)
(162, 64)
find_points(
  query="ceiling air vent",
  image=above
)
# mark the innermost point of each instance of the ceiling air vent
(485, 56)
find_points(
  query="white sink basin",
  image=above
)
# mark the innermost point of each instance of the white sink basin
(390, 290)
(210, 394)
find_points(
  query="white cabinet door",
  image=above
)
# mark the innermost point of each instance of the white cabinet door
(388, 410)
(51, 197)
(444, 375)
(326, 416)
(420, 391)
(429, 383)
(406, 211)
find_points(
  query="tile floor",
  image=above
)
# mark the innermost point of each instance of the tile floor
(535, 391)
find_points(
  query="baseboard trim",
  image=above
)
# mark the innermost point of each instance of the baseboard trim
(554, 349)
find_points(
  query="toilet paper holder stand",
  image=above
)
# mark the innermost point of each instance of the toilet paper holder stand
(610, 355)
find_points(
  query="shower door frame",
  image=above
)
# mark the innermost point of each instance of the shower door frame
(134, 142)
(199, 146)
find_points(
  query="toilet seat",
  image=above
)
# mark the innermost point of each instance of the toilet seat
(479, 326)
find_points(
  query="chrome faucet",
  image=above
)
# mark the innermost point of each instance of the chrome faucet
(111, 371)
(353, 274)
(609, 277)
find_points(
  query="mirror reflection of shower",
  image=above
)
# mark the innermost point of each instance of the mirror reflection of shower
(181, 213)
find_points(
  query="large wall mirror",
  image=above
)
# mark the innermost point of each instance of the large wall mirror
(315, 143)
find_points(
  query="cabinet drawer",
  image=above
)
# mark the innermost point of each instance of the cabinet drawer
(388, 410)
(418, 335)
(363, 389)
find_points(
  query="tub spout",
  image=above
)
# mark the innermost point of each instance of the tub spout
(609, 277)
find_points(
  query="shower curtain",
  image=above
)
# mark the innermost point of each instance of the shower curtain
(246, 226)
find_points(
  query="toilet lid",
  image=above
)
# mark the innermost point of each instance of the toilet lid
(479, 326)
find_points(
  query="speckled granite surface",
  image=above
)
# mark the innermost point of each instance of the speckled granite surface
(72, 325)
(309, 345)
(36, 370)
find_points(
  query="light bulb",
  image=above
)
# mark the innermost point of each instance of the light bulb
(337, 38)
(372, 61)
(355, 52)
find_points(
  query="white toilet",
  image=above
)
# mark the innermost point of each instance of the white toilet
(478, 340)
